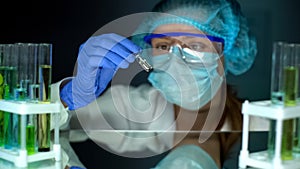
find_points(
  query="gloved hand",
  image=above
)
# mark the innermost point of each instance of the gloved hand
(98, 60)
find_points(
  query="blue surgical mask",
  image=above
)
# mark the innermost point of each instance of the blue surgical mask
(188, 85)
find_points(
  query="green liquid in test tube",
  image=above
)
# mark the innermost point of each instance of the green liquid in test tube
(28, 83)
(290, 87)
(31, 135)
(30, 139)
(287, 140)
(296, 148)
(290, 76)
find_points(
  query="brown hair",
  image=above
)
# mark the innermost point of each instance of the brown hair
(232, 111)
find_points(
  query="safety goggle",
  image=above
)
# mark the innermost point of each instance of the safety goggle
(149, 37)
(193, 41)
(190, 46)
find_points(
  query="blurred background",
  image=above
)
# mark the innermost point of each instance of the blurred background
(68, 23)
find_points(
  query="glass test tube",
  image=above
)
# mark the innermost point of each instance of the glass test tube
(1, 94)
(19, 91)
(277, 73)
(290, 81)
(31, 85)
(45, 75)
(276, 90)
(296, 148)
(290, 75)
(9, 70)
(287, 75)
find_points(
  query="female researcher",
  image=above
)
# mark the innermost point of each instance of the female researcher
(193, 45)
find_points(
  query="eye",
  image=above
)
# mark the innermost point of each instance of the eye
(162, 46)
(197, 46)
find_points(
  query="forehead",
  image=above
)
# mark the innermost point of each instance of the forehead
(177, 28)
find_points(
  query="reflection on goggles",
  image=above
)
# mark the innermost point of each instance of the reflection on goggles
(190, 56)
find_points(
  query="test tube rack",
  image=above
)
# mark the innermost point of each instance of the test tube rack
(20, 158)
(261, 159)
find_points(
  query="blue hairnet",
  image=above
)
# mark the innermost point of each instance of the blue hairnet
(220, 18)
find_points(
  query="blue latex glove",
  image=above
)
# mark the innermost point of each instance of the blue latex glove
(98, 60)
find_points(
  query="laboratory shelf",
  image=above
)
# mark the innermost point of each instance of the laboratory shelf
(19, 157)
(261, 159)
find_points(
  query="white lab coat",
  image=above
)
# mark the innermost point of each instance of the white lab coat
(123, 108)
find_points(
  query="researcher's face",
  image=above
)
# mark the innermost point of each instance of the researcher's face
(198, 43)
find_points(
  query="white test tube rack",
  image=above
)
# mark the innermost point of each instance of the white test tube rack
(261, 159)
(20, 158)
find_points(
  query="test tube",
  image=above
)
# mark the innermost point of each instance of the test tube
(33, 72)
(277, 93)
(1, 94)
(283, 93)
(45, 75)
(9, 70)
(26, 73)
(290, 86)
(296, 148)
(277, 73)
(19, 91)
(10, 83)
(31, 95)
(290, 75)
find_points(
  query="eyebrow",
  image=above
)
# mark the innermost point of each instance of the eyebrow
(149, 37)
